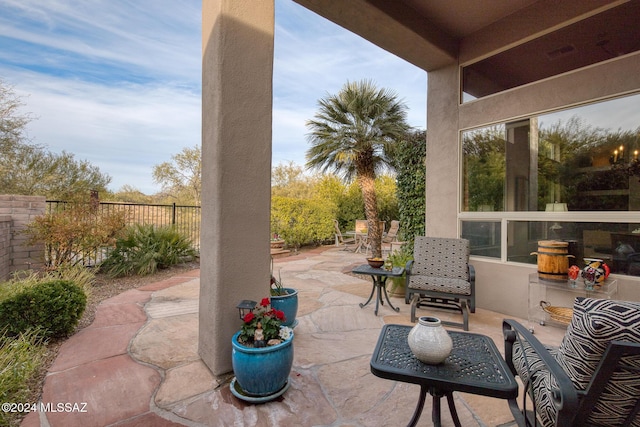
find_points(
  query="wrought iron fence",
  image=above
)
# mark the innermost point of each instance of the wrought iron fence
(186, 219)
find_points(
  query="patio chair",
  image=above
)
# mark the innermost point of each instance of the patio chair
(362, 234)
(392, 234)
(591, 379)
(440, 276)
(391, 237)
(340, 240)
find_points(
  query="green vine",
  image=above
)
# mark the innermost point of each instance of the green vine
(411, 172)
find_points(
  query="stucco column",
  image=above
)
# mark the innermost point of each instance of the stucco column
(237, 69)
(443, 151)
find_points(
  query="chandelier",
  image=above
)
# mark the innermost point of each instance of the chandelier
(627, 163)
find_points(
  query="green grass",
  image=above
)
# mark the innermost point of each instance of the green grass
(81, 276)
(22, 356)
(20, 359)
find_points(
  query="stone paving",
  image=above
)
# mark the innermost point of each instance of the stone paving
(137, 364)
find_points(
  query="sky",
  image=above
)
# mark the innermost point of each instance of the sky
(118, 83)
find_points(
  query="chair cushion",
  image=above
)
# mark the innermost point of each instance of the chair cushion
(440, 284)
(438, 256)
(529, 367)
(594, 324)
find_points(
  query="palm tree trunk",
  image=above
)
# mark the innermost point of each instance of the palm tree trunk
(366, 181)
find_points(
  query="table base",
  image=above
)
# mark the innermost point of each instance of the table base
(435, 409)
(379, 287)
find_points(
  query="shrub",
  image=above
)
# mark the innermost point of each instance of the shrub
(143, 249)
(20, 359)
(302, 221)
(53, 307)
(23, 279)
(78, 274)
(73, 232)
(399, 258)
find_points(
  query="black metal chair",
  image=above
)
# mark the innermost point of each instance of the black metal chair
(592, 379)
(440, 276)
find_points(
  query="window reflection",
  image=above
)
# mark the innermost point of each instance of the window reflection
(483, 236)
(525, 165)
(580, 160)
(484, 169)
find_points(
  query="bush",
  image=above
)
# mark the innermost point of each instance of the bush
(400, 258)
(24, 279)
(143, 249)
(53, 307)
(302, 221)
(74, 232)
(20, 359)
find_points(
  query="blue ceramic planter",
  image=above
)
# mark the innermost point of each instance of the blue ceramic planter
(288, 304)
(262, 371)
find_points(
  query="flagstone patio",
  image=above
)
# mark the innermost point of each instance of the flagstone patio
(137, 364)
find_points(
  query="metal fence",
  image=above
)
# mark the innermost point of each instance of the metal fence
(186, 219)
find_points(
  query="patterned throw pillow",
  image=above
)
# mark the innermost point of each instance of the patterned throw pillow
(594, 324)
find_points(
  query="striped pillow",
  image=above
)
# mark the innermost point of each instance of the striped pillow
(594, 324)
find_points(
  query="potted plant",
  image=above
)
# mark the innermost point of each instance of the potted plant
(276, 242)
(284, 299)
(399, 259)
(262, 354)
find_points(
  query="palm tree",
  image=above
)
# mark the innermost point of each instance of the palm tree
(352, 135)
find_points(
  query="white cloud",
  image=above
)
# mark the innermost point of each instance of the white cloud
(124, 130)
(118, 82)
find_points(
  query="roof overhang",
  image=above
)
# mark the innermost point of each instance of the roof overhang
(432, 34)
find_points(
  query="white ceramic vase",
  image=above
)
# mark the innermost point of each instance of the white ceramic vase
(429, 341)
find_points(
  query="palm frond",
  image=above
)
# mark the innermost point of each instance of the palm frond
(355, 130)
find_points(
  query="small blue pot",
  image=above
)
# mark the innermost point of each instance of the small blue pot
(288, 304)
(262, 371)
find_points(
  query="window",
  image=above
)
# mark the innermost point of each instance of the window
(586, 158)
(572, 175)
(617, 244)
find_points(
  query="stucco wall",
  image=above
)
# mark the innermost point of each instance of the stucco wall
(443, 152)
(15, 213)
(615, 77)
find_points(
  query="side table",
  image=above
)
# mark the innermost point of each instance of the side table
(561, 295)
(474, 366)
(379, 277)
